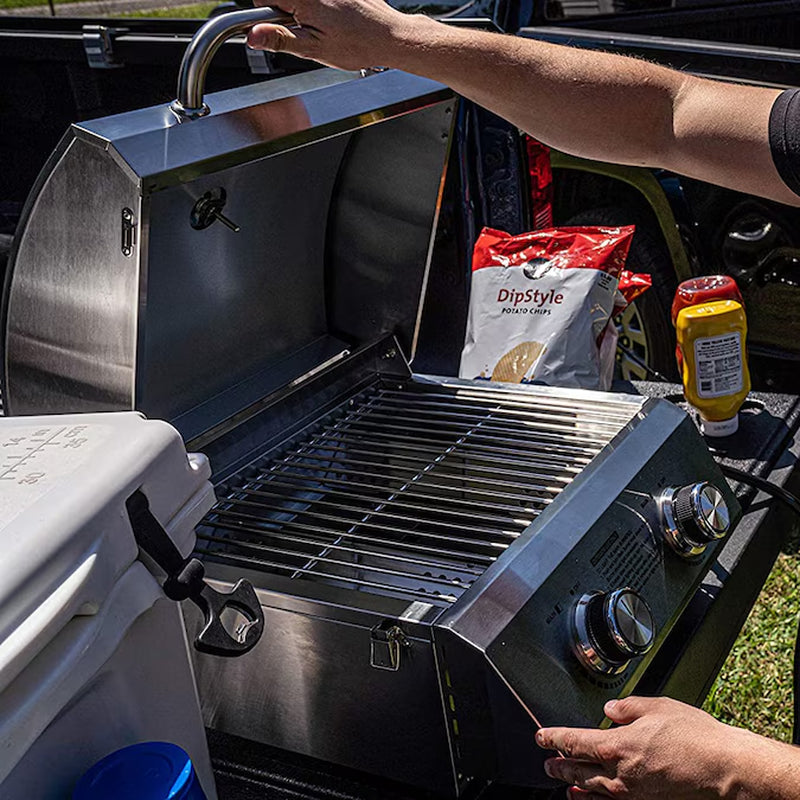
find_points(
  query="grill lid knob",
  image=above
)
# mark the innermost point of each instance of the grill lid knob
(611, 629)
(694, 516)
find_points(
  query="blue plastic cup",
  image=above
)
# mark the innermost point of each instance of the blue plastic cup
(146, 771)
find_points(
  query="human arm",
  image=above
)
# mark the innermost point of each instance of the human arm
(666, 750)
(587, 103)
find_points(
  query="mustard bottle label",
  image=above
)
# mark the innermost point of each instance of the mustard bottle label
(719, 365)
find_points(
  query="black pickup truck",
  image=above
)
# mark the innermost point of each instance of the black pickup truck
(58, 70)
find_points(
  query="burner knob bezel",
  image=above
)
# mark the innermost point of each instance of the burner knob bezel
(694, 516)
(601, 630)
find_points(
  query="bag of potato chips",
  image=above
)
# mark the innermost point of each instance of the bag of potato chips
(541, 303)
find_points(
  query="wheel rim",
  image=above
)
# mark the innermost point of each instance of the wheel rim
(633, 338)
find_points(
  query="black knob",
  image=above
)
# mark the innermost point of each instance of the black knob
(612, 628)
(701, 512)
(208, 209)
(694, 515)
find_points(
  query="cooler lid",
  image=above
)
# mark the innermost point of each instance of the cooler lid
(64, 530)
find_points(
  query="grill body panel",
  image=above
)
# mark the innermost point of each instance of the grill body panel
(308, 687)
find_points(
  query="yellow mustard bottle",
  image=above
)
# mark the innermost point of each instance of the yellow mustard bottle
(716, 381)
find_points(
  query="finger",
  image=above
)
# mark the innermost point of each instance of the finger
(284, 5)
(629, 709)
(280, 39)
(583, 774)
(572, 742)
(573, 793)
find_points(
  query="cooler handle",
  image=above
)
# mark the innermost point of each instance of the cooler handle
(186, 581)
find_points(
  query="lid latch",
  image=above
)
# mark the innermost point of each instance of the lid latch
(387, 641)
(186, 580)
(261, 62)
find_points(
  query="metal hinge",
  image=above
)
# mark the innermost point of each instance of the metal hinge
(260, 62)
(387, 641)
(128, 232)
(98, 43)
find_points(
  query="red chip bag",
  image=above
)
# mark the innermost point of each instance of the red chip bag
(631, 285)
(540, 303)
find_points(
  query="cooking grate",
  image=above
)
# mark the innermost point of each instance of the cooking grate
(409, 492)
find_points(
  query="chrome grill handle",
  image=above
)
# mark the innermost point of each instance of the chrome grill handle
(189, 103)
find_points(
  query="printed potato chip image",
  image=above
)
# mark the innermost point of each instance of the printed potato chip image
(513, 366)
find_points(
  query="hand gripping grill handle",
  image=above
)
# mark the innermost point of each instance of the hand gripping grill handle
(192, 76)
(185, 581)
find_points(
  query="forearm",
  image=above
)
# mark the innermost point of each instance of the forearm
(586, 103)
(602, 106)
(583, 102)
(764, 769)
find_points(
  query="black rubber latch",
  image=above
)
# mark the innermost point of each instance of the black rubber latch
(186, 581)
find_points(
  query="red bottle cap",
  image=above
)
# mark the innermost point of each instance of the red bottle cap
(704, 289)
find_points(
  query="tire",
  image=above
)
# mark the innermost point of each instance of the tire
(645, 329)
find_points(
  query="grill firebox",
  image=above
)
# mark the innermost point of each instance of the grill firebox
(408, 493)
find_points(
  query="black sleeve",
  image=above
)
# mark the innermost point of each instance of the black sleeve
(784, 137)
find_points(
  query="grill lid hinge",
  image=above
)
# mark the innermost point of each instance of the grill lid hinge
(128, 232)
(387, 641)
(261, 62)
(98, 44)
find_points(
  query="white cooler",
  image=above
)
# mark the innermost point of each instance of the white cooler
(93, 656)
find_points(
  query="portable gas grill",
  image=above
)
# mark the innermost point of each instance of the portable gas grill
(443, 565)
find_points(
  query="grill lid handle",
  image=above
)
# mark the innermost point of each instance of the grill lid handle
(192, 76)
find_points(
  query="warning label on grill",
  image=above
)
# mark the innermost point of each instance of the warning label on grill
(719, 365)
(626, 558)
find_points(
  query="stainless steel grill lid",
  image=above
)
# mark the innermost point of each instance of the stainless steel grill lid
(136, 294)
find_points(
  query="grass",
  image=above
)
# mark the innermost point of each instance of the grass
(23, 3)
(196, 11)
(754, 688)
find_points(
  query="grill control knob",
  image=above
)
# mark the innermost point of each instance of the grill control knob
(693, 517)
(612, 628)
